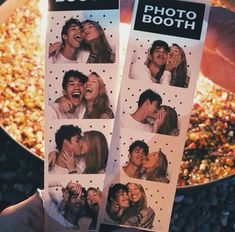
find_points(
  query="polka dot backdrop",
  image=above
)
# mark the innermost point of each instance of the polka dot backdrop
(54, 76)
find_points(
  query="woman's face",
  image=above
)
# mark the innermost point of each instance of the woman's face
(152, 161)
(134, 192)
(174, 51)
(91, 87)
(160, 114)
(90, 32)
(85, 146)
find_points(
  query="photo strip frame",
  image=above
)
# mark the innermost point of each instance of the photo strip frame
(81, 91)
(156, 96)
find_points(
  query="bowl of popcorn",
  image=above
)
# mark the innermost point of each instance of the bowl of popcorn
(209, 148)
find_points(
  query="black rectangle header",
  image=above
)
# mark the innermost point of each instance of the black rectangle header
(70, 5)
(175, 18)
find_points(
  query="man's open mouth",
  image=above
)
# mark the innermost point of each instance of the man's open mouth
(94, 204)
(161, 58)
(76, 94)
(78, 37)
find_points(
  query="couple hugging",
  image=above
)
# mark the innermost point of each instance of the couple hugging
(127, 205)
(87, 154)
(163, 65)
(83, 97)
(152, 116)
(73, 206)
(144, 165)
(81, 43)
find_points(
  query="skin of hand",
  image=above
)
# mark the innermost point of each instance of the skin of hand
(160, 117)
(115, 208)
(65, 105)
(69, 160)
(54, 49)
(218, 60)
(76, 188)
(27, 216)
(172, 61)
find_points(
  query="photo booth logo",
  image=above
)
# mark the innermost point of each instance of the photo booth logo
(169, 21)
(176, 18)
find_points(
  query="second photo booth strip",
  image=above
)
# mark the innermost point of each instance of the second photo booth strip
(156, 96)
(81, 91)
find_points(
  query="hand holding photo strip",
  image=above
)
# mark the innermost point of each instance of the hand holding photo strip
(82, 85)
(156, 96)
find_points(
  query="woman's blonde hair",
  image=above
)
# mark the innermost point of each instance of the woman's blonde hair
(97, 155)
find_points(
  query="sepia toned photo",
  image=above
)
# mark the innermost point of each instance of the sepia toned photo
(145, 165)
(151, 116)
(73, 206)
(81, 42)
(77, 152)
(127, 205)
(163, 64)
(84, 96)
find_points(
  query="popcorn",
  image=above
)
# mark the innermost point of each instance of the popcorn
(210, 145)
(22, 81)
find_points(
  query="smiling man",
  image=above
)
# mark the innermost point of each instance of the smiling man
(137, 152)
(71, 50)
(73, 90)
(158, 65)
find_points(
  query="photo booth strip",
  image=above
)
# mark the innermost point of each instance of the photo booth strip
(103, 13)
(175, 22)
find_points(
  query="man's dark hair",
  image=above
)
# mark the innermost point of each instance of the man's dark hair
(67, 25)
(114, 189)
(66, 132)
(159, 44)
(73, 73)
(139, 143)
(151, 96)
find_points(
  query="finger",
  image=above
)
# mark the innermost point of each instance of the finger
(66, 154)
(70, 105)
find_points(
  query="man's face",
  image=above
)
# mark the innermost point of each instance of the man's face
(74, 36)
(159, 56)
(74, 91)
(93, 199)
(78, 202)
(152, 108)
(74, 145)
(122, 198)
(137, 156)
